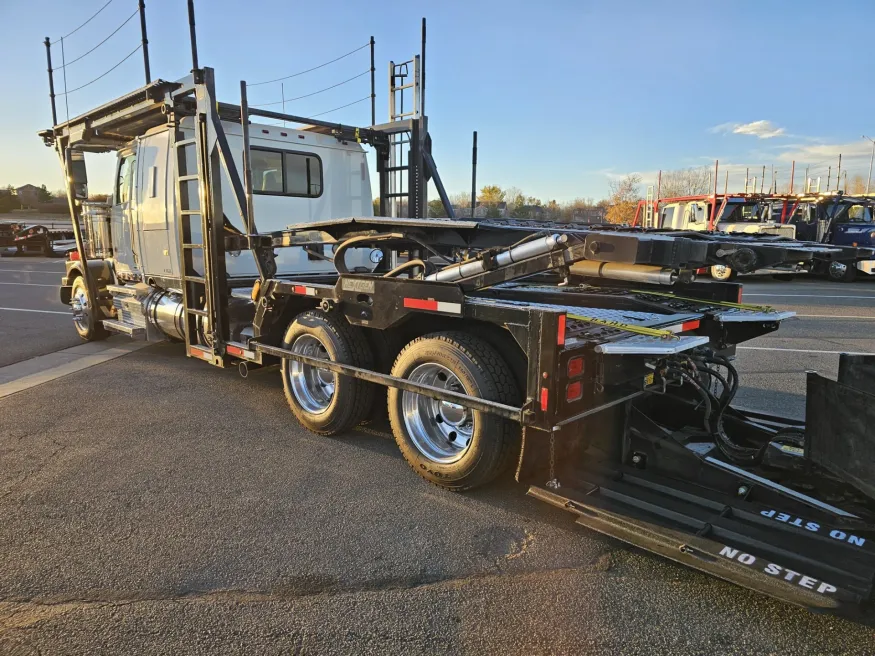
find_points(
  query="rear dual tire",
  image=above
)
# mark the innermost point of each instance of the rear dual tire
(324, 402)
(723, 273)
(451, 446)
(841, 271)
(454, 447)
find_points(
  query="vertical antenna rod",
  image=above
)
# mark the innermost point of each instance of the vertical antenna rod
(247, 161)
(474, 175)
(422, 74)
(192, 34)
(51, 81)
(373, 91)
(145, 41)
(714, 197)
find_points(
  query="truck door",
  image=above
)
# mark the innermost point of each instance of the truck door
(805, 221)
(124, 235)
(154, 205)
(695, 216)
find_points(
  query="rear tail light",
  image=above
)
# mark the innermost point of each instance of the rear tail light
(575, 367)
(545, 399)
(574, 391)
(74, 256)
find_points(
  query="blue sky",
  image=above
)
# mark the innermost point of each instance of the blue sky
(566, 96)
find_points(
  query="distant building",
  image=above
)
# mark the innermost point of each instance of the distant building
(28, 195)
(481, 210)
(588, 215)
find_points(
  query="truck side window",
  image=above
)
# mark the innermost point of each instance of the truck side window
(285, 173)
(267, 171)
(667, 216)
(125, 182)
(303, 175)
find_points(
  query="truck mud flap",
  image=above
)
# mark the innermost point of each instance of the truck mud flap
(839, 435)
(827, 570)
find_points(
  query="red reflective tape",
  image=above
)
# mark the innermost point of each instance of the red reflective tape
(420, 304)
(234, 350)
(300, 289)
(545, 398)
(560, 333)
(689, 325)
(202, 354)
(739, 294)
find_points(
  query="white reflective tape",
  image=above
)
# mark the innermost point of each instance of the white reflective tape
(452, 308)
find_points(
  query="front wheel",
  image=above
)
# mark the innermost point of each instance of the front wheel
(87, 316)
(723, 273)
(841, 271)
(325, 402)
(446, 443)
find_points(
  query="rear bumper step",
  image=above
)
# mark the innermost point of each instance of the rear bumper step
(745, 546)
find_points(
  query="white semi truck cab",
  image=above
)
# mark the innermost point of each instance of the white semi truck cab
(731, 214)
(297, 176)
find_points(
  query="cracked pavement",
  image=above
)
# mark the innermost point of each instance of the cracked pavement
(155, 505)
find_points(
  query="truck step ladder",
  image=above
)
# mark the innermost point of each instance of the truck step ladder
(201, 242)
(402, 196)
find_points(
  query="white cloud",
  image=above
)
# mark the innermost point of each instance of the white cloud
(758, 129)
(850, 152)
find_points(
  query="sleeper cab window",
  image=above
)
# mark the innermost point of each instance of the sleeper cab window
(285, 173)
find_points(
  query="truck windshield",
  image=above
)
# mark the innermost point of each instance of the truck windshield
(740, 213)
(850, 213)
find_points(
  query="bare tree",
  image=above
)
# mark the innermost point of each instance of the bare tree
(624, 199)
(684, 182)
(857, 185)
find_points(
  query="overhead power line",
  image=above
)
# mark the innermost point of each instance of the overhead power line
(333, 86)
(104, 74)
(354, 102)
(280, 79)
(136, 11)
(93, 16)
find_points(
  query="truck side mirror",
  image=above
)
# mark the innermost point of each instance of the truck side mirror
(78, 173)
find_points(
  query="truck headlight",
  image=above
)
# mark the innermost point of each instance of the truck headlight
(872, 235)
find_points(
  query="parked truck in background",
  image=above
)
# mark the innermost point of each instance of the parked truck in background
(832, 218)
(732, 213)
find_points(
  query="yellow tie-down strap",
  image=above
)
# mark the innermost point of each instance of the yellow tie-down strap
(703, 301)
(630, 328)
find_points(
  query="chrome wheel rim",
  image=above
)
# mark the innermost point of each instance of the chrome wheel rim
(81, 309)
(720, 270)
(837, 268)
(313, 388)
(440, 430)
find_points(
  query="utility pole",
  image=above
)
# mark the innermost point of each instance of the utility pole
(474, 175)
(871, 159)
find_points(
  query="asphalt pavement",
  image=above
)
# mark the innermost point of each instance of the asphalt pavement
(33, 321)
(157, 505)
